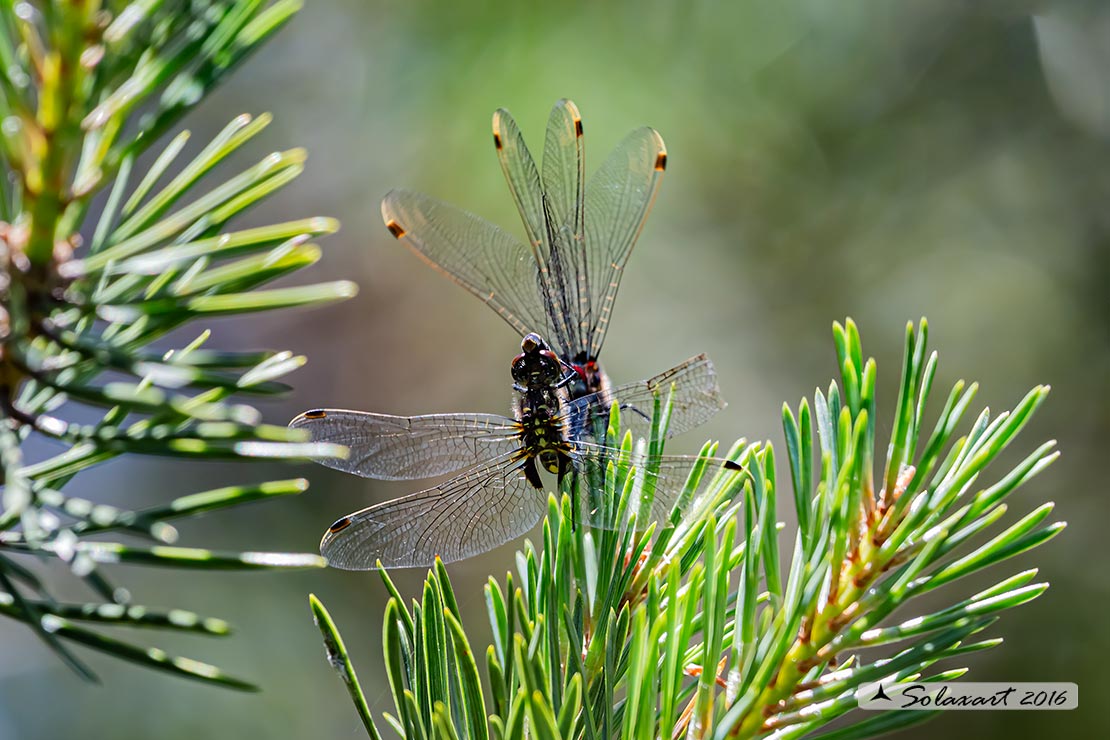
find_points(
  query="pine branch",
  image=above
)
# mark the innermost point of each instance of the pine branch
(86, 87)
(688, 628)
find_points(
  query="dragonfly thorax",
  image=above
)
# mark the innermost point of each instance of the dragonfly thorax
(588, 377)
(538, 375)
(536, 366)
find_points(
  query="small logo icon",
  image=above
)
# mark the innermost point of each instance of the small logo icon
(880, 694)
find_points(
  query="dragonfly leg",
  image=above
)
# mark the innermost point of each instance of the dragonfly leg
(629, 407)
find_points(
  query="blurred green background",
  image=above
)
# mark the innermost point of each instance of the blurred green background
(880, 160)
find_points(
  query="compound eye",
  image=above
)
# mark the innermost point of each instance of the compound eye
(517, 367)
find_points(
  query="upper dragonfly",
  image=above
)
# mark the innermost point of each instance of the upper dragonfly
(497, 497)
(564, 281)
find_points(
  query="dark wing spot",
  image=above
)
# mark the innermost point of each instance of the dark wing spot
(497, 139)
(394, 228)
(315, 414)
(661, 161)
(340, 525)
(578, 126)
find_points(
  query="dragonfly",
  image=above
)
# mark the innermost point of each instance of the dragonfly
(497, 492)
(564, 281)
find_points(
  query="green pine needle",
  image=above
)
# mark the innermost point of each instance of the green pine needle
(165, 251)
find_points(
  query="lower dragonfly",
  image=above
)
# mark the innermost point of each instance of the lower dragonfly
(498, 496)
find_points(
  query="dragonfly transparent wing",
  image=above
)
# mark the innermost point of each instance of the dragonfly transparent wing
(617, 201)
(555, 272)
(563, 257)
(696, 399)
(467, 515)
(582, 237)
(410, 447)
(474, 253)
(661, 488)
(564, 170)
(579, 237)
(521, 174)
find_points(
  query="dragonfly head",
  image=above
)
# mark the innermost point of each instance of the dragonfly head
(588, 377)
(536, 364)
(576, 381)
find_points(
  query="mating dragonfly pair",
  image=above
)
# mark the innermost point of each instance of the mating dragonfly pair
(564, 281)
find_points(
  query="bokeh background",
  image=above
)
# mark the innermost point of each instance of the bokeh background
(880, 160)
